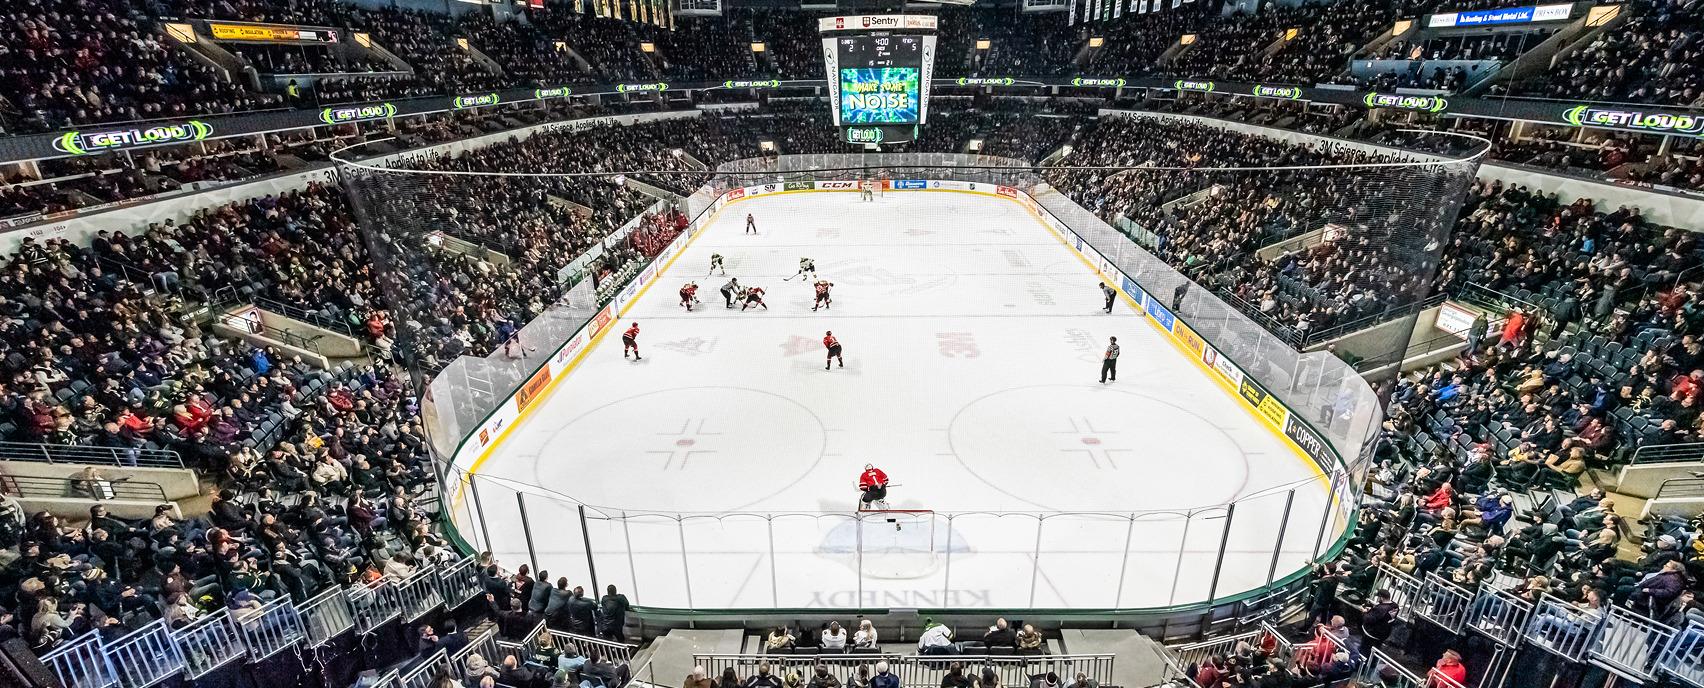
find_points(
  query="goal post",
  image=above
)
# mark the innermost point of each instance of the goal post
(899, 530)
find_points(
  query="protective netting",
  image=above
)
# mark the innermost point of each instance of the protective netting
(1255, 250)
(1322, 245)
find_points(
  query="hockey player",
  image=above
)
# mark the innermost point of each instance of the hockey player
(874, 484)
(751, 224)
(716, 264)
(822, 300)
(806, 267)
(833, 346)
(731, 290)
(754, 297)
(630, 341)
(867, 190)
(1109, 293)
(689, 295)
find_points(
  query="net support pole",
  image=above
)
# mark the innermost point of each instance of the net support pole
(526, 529)
(858, 544)
(632, 570)
(473, 486)
(1124, 564)
(591, 562)
(1325, 521)
(1182, 546)
(685, 568)
(1278, 546)
(1035, 572)
(947, 573)
(774, 590)
(1224, 541)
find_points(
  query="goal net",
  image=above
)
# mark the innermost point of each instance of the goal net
(898, 531)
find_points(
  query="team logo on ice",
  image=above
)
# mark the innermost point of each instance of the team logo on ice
(691, 346)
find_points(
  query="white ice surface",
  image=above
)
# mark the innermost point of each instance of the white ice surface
(973, 340)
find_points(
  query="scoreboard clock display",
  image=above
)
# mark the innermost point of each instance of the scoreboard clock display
(878, 69)
(880, 79)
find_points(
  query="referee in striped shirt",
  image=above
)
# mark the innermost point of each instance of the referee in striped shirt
(1109, 364)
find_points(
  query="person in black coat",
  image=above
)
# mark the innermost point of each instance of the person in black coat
(556, 610)
(581, 613)
(492, 582)
(1378, 621)
(1000, 635)
(614, 606)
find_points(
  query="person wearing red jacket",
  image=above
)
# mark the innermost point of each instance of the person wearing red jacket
(630, 341)
(1449, 667)
(833, 346)
(873, 483)
(689, 295)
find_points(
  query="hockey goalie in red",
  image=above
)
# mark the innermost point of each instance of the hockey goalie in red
(874, 484)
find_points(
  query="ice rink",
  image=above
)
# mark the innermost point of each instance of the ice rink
(720, 471)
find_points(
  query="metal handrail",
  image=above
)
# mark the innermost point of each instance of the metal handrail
(1358, 324)
(1680, 488)
(1684, 656)
(304, 315)
(1691, 452)
(210, 642)
(920, 670)
(86, 454)
(608, 649)
(284, 337)
(1625, 643)
(1192, 653)
(82, 663)
(147, 656)
(31, 487)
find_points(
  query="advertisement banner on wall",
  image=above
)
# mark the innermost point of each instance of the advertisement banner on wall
(736, 194)
(1274, 411)
(1006, 191)
(532, 388)
(1223, 366)
(910, 184)
(952, 185)
(1190, 340)
(559, 363)
(1130, 288)
(798, 186)
(837, 186)
(1252, 392)
(1266, 404)
(1094, 256)
(1158, 312)
(1310, 442)
(600, 321)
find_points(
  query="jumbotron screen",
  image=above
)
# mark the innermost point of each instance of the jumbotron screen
(880, 79)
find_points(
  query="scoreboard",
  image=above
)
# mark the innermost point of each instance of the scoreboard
(879, 69)
(880, 80)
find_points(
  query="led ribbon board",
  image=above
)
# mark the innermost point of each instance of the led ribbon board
(85, 143)
(1618, 118)
(1406, 102)
(341, 115)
